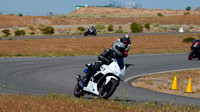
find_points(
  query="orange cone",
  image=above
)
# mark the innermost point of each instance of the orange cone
(189, 86)
(174, 85)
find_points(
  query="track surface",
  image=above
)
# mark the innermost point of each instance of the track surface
(81, 36)
(57, 74)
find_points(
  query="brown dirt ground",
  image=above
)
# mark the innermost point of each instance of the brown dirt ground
(162, 82)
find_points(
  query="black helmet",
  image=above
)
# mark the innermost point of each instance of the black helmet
(119, 48)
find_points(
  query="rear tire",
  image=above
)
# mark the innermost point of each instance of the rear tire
(78, 91)
(106, 91)
(191, 55)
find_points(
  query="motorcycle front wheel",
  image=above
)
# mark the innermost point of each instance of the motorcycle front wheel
(86, 33)
(95, 33)
(78, 91)
(107, 90)
(191, 55)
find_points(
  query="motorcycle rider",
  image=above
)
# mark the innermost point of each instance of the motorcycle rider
(126, 40)
(91, 28)
(116, 52)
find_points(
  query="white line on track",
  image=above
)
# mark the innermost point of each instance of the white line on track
(137, 76)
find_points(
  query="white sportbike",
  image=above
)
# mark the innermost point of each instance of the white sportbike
(104, 82)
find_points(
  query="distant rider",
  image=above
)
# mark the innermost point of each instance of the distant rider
(116, 52)
(126, 40)
(91, 28)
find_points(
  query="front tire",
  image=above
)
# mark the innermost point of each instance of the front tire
(191, 55)
(95, 33)
(106, 91)
(86, 33)
(78, 91)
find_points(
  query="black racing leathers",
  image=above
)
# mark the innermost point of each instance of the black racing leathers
(126, 42)
(104, 58)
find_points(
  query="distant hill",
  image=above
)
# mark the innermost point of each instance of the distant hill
(108, 11)
(197, 9)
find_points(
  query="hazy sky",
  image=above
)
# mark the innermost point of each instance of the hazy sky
(67, 6)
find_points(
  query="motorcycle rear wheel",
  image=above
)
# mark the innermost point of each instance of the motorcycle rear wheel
(78, 91)
(191, 55)
(107, 90)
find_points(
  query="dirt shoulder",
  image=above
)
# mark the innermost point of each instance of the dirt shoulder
(162, 82)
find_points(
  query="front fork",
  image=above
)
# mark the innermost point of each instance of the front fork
(80, 80)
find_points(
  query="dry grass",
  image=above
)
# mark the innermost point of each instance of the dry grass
(147, 44)
(163, 82)
(64, 103)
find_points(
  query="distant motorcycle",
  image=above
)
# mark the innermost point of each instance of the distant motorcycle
(88, 32)
(104, 82)
(195, 50)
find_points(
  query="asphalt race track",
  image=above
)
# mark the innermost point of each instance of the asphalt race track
(42, 75)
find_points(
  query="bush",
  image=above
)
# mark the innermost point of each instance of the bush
(32, 33)
(120, 27)
(174, 27)
(46, 29)
(110, 27)
(80, 28)
(136, 28)
(188, 39)
(155, 24)
(6, 32)
(20, 14)
(99, 26)
(188, 8)
(159, 14)
(31, 27)
(119, 31)
(41, 27)
(186, 13)
(147, 26)
(19, 32)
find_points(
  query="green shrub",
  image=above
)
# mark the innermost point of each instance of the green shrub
(174, 27)
(110, 27)
(100, 26)
(15, 27)
(186, 13)
(6, 32)
(20, 14)
(188, 39)
(41, 27)
(46, 29)
(31, 27)
(119, 31)
(180, 35)
(136, 28)
(160, 14)
(81, 28)
(147, 26)
(188, 8)
(119, 27)
(155, 24)
(32, 33)
(19, 32)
